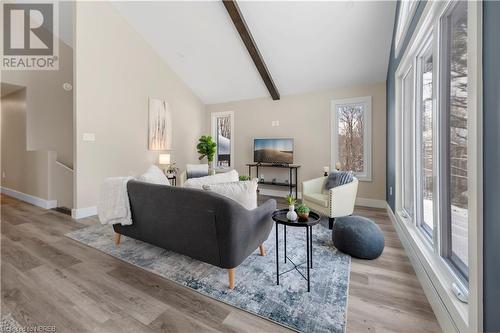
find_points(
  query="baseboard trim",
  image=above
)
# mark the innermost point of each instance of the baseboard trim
(39, 202)
(80, 213)
(442, 315)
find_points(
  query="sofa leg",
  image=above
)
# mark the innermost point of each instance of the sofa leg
(262, 250)
(331, 220)
(230, 273)
(117, 238)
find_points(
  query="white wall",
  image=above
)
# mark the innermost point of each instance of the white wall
(49, 107)
(306, 118)
(116, 73)
(25, 171)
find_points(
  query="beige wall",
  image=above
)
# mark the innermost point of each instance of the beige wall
(116, 73)
(49, 107)
(306, 118)
(25, 171)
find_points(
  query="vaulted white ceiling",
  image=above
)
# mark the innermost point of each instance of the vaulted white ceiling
(307, 46)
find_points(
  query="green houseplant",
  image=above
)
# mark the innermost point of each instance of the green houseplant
(290, 200)
(206, 148)
(244, 178)
(303, 212)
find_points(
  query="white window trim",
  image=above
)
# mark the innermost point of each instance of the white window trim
(367, 142)
(213, 130)
(451, 313)
(404, 23)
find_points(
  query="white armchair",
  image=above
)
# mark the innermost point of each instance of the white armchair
(336, 202)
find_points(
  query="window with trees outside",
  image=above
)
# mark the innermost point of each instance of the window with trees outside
(434, 132)
(351, 141)
(222, 132)
(454, 63)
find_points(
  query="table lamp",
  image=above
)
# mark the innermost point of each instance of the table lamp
(164, 159)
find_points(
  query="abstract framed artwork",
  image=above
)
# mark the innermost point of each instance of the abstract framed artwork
(160, 125)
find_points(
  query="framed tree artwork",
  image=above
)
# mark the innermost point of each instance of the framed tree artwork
(160, 125)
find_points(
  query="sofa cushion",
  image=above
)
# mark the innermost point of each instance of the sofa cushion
(226, 177)
(317, 198)
(196, 170)
(338, 178)
(245, 193)
(154, 176)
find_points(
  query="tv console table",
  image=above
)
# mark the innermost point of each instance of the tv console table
(292, 168)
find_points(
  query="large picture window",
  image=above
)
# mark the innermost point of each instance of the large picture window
(351, 136)
(438, 139)
(434, 134)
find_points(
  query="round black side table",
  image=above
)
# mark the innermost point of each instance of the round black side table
(279, 217)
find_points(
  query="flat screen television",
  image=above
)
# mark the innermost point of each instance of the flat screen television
(275, 151)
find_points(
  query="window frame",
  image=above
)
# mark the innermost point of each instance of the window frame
(436, 274)
(409, 217)
(446, 237)
(427, 47)
(367, 133)
(214, 133)
(406, 12)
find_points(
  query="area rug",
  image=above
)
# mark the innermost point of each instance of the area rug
(289, 304)
(9, 324)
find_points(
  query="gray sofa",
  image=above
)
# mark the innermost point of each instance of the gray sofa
(200, 224)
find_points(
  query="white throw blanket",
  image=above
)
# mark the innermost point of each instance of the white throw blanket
(114, 206)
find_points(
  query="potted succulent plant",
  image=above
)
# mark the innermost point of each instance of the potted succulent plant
(291, 215)
(303, 212)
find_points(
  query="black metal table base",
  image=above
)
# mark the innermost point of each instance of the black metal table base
(296, 267)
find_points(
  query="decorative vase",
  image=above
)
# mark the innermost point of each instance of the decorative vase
(211, 169)
(291, 215)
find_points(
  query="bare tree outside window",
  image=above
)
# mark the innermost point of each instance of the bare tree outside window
(351, 136)
(224, 141)
(427, 142)
(458, 134)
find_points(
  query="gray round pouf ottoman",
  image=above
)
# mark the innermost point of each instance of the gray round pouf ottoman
(358, 236)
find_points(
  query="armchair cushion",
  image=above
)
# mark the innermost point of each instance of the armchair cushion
(338, 178)
(318, 198)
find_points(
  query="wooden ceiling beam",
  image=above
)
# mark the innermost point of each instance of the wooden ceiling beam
(240, 25)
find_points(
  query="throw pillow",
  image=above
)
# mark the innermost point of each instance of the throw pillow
(245, 193)
(225, 177)
(196, 170)
(338, 178)
(154, 175)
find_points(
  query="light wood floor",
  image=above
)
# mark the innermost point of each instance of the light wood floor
(46, 278)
